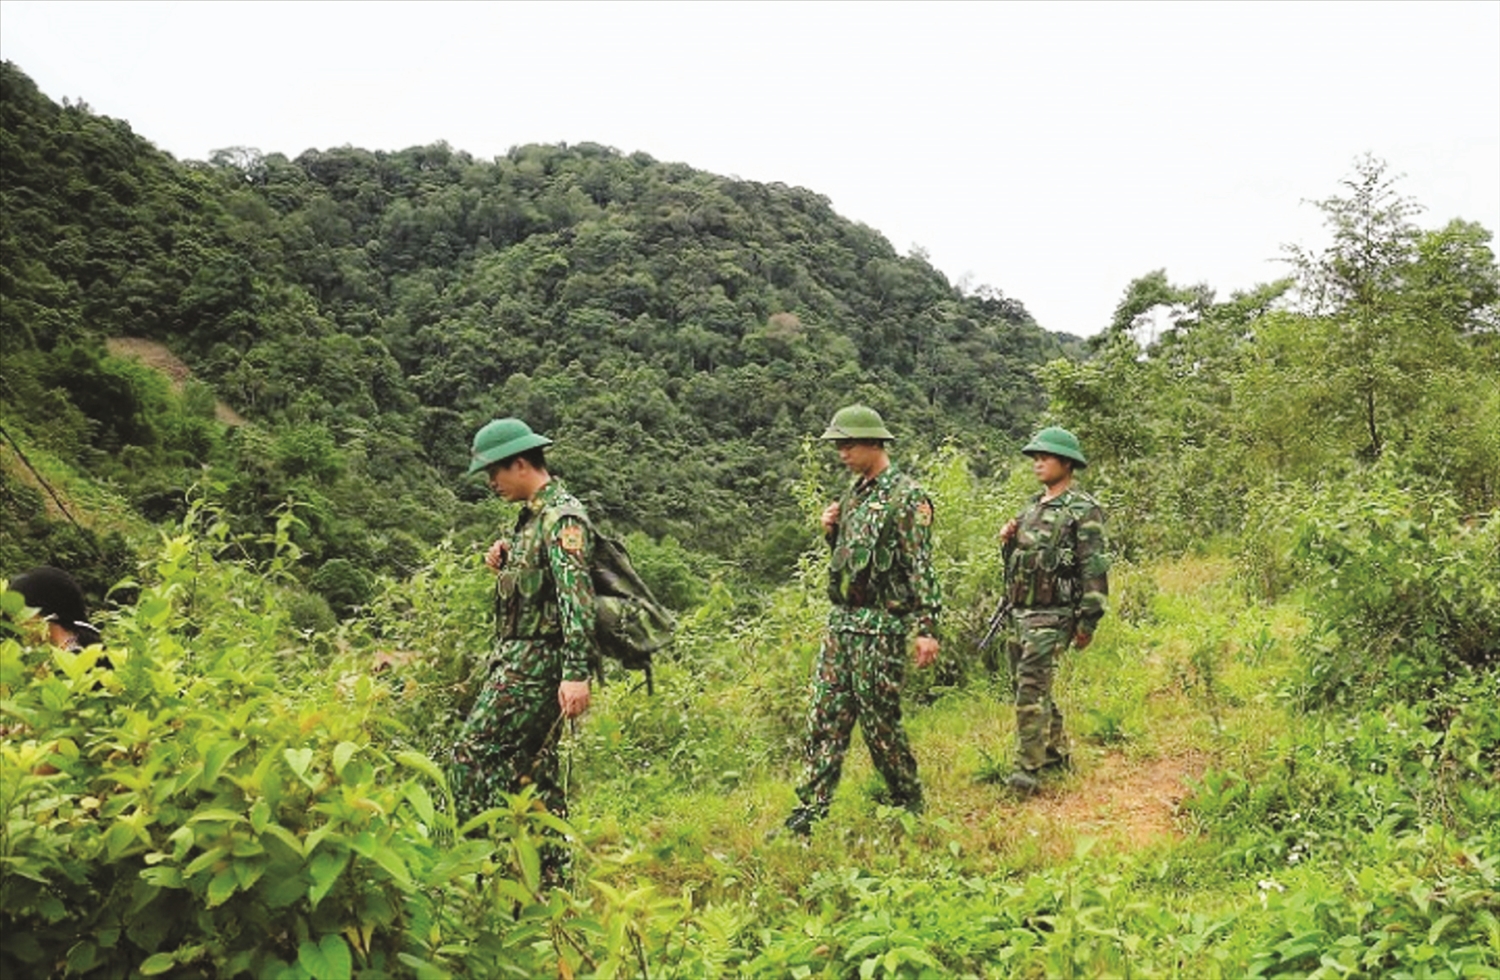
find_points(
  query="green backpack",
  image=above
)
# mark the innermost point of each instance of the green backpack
(630, 624)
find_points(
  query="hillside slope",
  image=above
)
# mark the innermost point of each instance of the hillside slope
(679, 334)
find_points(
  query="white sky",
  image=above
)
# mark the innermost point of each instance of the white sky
(1055, 151)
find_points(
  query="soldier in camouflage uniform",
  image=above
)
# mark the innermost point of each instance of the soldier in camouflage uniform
(883, 587)
(1056, 574)
(544, 608)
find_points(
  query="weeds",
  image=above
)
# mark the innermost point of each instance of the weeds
(233, 796)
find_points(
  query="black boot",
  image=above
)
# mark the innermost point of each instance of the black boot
(1023, 783)
(1057, 762)
(801, 821)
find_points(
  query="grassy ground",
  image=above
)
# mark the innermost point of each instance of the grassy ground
(1150, 705)
(1187, 681)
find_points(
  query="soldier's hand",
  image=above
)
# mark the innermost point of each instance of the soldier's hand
(1081, 640)
(831, 516)
(495, 557)
(927, 651)
(1009, 530)
(573, 698)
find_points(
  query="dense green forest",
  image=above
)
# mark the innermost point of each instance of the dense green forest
(678, 334)
(1288, 745)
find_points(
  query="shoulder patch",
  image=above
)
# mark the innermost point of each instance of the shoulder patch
(924, 513)
(570, 537)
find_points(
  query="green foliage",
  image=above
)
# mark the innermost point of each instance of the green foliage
(430, 636)
(675, 575)
(676, 332)
(180, 801)
(240, 784)
(343, 584)
(1379, 348)
(231, 797)
(172, 807)
(1406, 586)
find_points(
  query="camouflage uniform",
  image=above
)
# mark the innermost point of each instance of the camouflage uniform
(544, 608)
(1057, 575)
(882, 585)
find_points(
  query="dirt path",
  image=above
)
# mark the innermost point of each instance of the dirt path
(1125, 803)
(156, 356)
(1135, 803)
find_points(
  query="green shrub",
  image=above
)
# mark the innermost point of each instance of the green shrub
(203, 798)
(1405, 586)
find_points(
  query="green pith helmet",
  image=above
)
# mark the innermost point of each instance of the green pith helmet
(857, 422)
(1058, 442)
(502, 439)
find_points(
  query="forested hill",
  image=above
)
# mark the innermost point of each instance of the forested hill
(677, 333)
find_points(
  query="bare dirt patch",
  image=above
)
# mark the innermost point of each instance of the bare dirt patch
(157, 357)
(1134, 803)
(1125, 804)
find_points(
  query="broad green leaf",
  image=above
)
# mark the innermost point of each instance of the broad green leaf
(215, 759)
(317, 835)
(163, 877)
(216, 813)
(388, 859)
(1439, 927)
(207, 859)
(286, 837)
(119, 838)
(283, 890)
(182, 840)
(299, 760)
(421, 802)
(530, 862)
(247, 847)
(342, 753)
(12, 664)
(222, 887)
(511, 890)
(156, 964)
(423, 765)
(327, 959)
(424, 970)
(325, 868)
(247, 873)
(358, 773)
(81, 957)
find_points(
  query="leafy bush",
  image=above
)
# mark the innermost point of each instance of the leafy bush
(1338, 787)
(1406, 590)
(167, 803)
(1432, 919)
(203, 798)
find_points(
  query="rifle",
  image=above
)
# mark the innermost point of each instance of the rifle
(996, 621)
(1003, 609)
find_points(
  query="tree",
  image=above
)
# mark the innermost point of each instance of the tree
(1376, 349)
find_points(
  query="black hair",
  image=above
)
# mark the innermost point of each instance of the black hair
(534, 456)
(57, 596)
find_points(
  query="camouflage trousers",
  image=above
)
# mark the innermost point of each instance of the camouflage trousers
(858, 678)
(510, 738)
(1036, 642)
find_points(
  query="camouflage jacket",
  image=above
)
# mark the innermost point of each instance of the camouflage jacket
(543, 592)
(880, 575)
(1060, 559)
